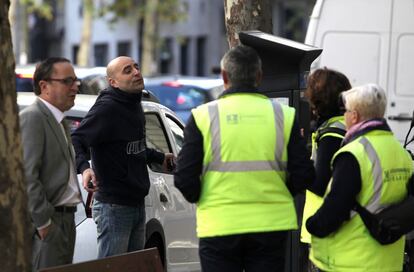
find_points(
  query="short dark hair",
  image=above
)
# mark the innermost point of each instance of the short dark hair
(324, 89)
(242, 63)
(44, 70)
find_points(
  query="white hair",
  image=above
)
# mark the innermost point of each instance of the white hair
(368, 100)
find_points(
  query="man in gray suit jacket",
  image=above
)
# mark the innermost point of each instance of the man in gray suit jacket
(52, 185)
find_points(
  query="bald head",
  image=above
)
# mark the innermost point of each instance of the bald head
(113, 65)
(124, 73)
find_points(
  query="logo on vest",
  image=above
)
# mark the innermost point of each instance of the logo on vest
(135, 147)
(397, 174)
(256, 119)
(232, 119)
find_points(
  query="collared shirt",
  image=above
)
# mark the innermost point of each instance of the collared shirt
(71, 196)
(55, 111)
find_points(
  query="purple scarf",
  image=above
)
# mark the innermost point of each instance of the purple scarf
(361, 126)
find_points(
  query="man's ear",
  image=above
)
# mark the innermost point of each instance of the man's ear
(225, 77)
(112, 82)
(43, 86)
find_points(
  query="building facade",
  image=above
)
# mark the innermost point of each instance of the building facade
(192, 46)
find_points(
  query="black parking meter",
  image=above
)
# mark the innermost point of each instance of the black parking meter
(286, 66)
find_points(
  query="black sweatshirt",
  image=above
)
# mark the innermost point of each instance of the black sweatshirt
(327, 147)
(190, 160)
(338, 204)
(114, 132)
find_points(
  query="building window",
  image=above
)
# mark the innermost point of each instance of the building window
(75, 50)
(184, 57)
(201, 53)
(222, 21)
(124, 48)
(80, 10)
(140, 38)
(166, 56)
(293, 25)
(101, 54)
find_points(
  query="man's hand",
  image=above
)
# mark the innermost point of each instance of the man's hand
(43, 232)
(169, 162)
(89, 180)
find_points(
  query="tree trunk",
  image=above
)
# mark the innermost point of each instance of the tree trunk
(15, 241)
(82, 58)
(243, 15)
(148, 65)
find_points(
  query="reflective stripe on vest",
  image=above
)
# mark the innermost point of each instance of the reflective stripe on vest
(374, 204)
(338, 125)
(244, 166)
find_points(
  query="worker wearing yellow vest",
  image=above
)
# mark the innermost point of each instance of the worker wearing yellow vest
(323, 92)
(237, 155)
(372, 169)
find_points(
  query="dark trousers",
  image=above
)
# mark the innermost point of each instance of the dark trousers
(58, 246)
(248, 252)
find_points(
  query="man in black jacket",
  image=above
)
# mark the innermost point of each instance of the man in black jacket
(114, 131)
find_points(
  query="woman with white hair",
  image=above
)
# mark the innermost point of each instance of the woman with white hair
(372, 169)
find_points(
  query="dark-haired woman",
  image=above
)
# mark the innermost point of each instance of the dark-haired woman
(324, 90)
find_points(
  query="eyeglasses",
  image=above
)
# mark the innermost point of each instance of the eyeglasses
(66, 81)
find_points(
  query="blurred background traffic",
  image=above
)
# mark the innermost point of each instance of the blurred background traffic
(178, 43)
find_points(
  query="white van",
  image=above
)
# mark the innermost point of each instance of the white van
(370, 41)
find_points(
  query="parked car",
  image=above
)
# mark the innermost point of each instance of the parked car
(93, 79)
(170, 219)
(24, 77)
(181, 94)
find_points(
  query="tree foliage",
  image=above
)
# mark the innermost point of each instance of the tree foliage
(167, 10)
(42, 8)
(152, 13)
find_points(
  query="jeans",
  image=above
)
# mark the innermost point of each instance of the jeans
(250, 252)
(120, 228)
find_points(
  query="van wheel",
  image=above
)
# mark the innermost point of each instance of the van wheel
(156, 241)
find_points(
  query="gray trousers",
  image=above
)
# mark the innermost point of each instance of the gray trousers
(58, 246)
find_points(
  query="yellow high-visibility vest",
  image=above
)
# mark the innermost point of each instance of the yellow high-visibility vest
(384, 175)
(245, 137)
(313, 201)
